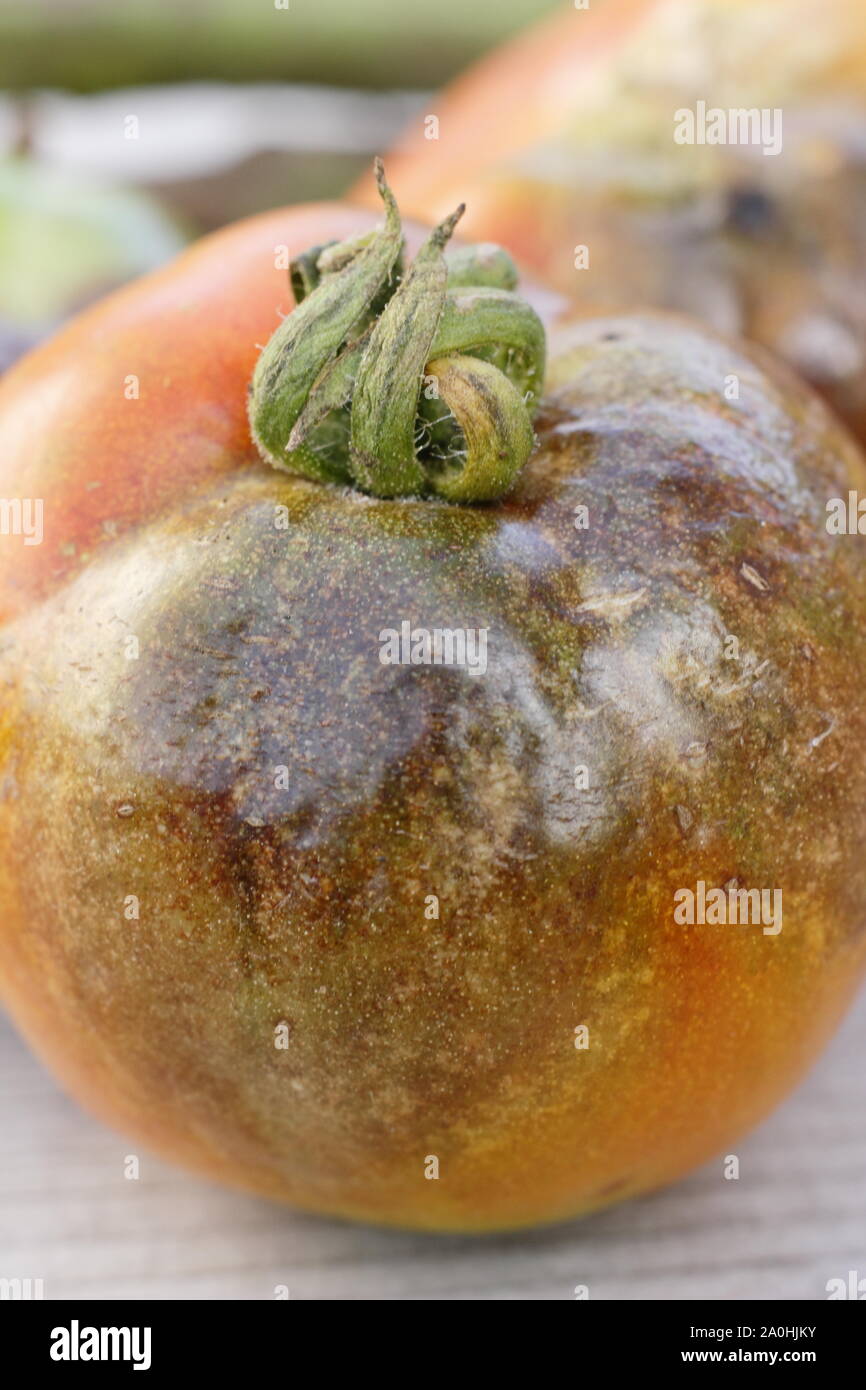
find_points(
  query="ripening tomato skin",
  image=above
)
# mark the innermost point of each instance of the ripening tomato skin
(565, 138)
(183, 346)
(226, 826)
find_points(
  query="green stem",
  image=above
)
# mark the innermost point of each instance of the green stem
(413, 386)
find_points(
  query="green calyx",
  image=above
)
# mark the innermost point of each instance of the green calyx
(420, 382)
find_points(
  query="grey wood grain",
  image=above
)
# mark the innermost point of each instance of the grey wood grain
(795, 1218)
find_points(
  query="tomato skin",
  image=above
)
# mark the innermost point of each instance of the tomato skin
(240, 821)
(187, 338)
(564, 139)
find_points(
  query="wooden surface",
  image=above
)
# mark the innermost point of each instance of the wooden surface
(795, 1218)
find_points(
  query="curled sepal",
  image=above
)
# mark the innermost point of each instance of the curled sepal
(331, 391)
(495, 426)
(500, 327)
(383, 456)
(307, 341)
(485, 263)
(304, 271)
(405, 385)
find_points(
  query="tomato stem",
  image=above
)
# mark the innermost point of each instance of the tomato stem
(421, 383)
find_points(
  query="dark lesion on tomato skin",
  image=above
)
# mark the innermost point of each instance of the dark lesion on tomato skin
(295, 613)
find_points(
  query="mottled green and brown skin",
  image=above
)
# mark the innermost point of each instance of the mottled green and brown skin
(300, 899)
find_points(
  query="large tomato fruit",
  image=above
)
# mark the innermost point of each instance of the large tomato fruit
(324, 926)
(566, 139)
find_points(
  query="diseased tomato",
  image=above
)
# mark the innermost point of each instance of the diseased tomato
(384, 854)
